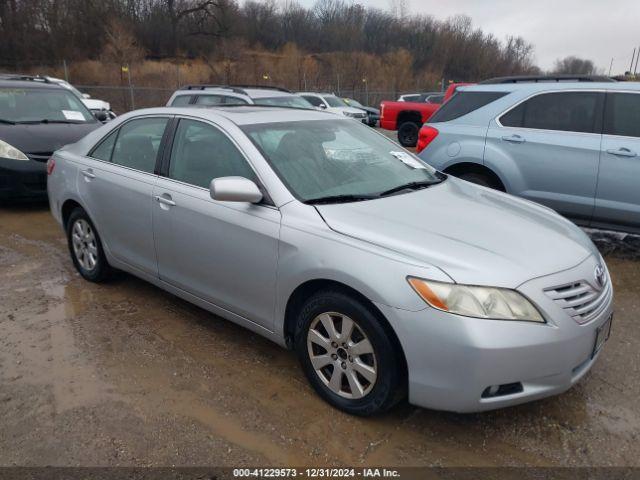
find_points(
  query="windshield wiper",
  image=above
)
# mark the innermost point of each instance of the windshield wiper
(409, 186)
(339, 199)
(46, 120)
(7, 122)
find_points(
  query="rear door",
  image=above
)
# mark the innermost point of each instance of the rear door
(547, 149)
(116, 187)
(618, 193)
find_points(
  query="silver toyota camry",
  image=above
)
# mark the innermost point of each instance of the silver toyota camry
(387, 277)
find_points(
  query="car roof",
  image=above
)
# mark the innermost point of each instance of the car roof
(233, 91)
(550, 86)
(29, 84)
(240, 115)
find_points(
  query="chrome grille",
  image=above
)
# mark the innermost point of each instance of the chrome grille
(582, 301)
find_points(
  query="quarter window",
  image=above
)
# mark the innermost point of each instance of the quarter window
(463, 103)
(201, 153)
(563, 111)
(138, 143)
(622, 116)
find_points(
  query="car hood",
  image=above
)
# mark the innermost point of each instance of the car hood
(95, 104)
(44, 137)
(476, 235)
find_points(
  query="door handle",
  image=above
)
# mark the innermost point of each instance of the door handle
(165, 200)
(622, 152)
(88, 173)
(513, 139)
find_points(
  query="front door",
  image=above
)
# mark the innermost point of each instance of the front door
(223, 252)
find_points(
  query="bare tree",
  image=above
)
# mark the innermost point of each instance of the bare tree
(575, 65)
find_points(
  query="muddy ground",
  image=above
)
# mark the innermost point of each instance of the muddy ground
(126, 374)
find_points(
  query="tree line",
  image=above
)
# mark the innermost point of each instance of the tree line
(333, 42)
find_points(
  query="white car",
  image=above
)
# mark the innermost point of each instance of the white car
(331, 103)
(92, 104)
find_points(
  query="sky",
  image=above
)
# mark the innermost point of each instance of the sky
(595, 29)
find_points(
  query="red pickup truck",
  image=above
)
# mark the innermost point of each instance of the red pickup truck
(408, 117)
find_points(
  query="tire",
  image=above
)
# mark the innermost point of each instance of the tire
(85, 247)
(408, 134)
(360, 379)
(481, 179)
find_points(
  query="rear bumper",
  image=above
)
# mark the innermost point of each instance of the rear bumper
(23, 180)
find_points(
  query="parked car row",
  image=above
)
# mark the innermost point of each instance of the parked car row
(388, 277)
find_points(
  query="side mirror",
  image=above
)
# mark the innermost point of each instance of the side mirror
(322, 106)
(234, 189)
(86, 95)
(101, 115)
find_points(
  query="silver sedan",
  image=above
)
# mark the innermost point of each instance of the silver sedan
(386, 277)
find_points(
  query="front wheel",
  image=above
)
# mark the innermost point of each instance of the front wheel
(346, 354)
(481, 179)
(408, 134)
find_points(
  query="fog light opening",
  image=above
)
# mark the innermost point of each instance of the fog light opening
(494, 391)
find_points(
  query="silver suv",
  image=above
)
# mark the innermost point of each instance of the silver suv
(572, 146)
(324, 236)
(220, 95)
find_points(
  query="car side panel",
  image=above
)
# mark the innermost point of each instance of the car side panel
(118, 200)
(456, 143)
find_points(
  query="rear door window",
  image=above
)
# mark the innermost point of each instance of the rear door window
(622, 115)
(138, 143)
(463, 103)
(561, 111)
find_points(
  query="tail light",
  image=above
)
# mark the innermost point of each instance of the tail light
(426, 135)
(51, 164)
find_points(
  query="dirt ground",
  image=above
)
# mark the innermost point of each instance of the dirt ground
(125, 374)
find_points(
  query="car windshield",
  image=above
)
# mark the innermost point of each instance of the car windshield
(284, 101)
(36, 105)
(334, 101)
(341, 160)
(353, 103)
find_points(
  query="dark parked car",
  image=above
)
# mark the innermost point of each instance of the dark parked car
(36, 118)
(373, 114)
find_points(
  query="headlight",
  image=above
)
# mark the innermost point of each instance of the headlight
(479, 302)
(12, 153)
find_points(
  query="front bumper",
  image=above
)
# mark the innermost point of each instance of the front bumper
(452, 359)
(23, 180)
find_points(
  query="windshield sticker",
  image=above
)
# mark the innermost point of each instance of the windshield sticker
(408, 160)
(73, 115)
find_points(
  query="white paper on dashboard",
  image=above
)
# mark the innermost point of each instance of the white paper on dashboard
(408, 160)
(73, 115)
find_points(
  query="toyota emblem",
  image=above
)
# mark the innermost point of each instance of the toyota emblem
(600, 275)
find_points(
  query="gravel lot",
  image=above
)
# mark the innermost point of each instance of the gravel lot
(125, 374)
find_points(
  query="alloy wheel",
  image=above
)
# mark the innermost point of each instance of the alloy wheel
(342, 355)
(85, 246)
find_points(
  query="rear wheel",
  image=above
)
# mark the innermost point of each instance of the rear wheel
(86, 248)
(408, 134)
(481, 179)
(346, 354)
